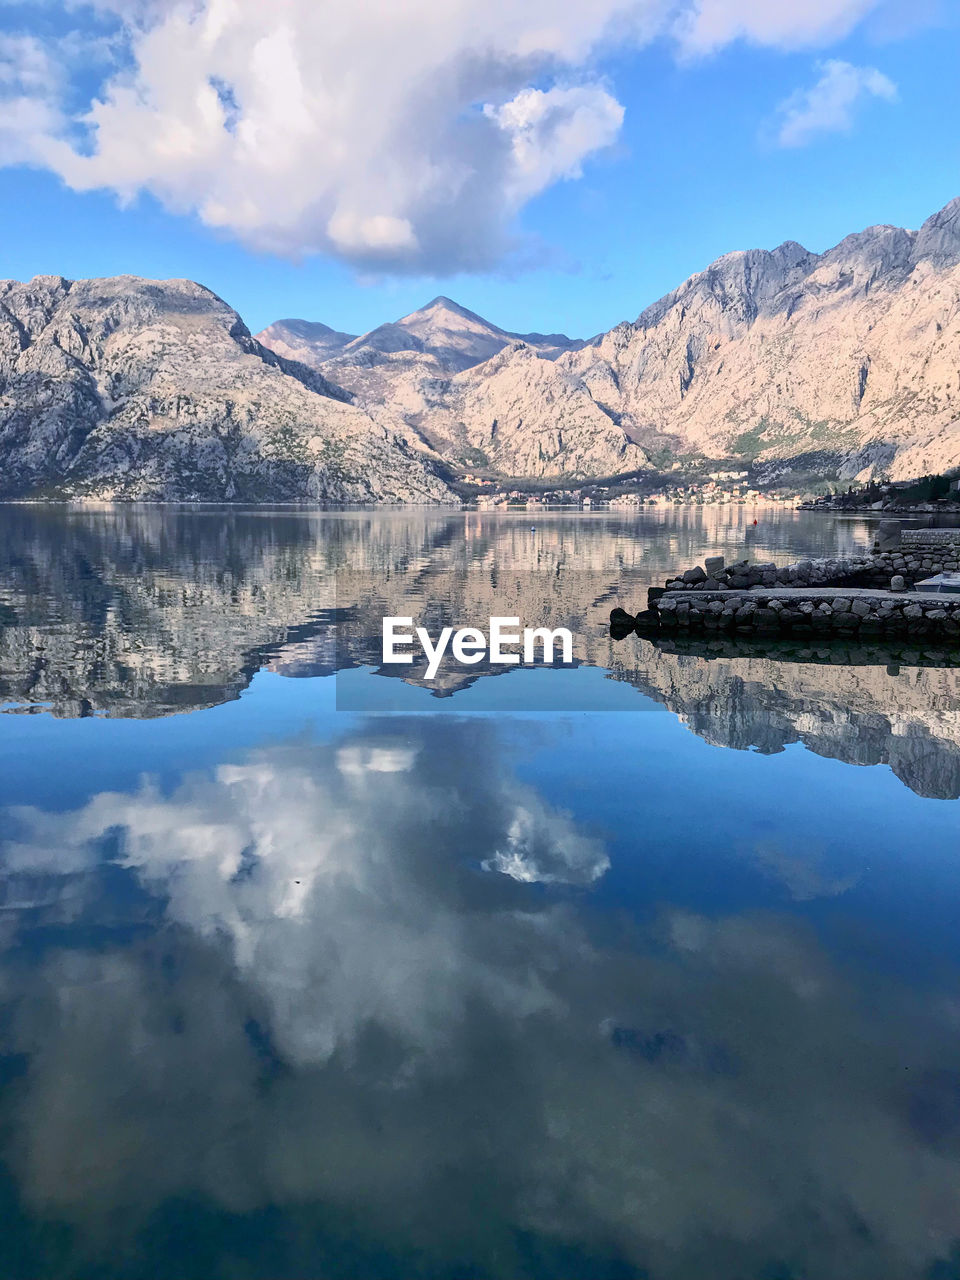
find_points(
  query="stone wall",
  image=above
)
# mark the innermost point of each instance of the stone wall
(921, 553)
(915, 561)
(713, 575)
(797, 611)
(930, 538)
(870, 595)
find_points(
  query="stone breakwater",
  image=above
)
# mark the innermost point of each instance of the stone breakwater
(865, 596)
(840, 610)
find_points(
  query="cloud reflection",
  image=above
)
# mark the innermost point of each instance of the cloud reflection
(348, 1005)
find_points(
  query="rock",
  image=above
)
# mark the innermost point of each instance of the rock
(860, 607)
(897, 583)
(912, 611)
(841, 605)
(647, 620)
(125, 388)
(713, 565)
(694, 575)
(620, 618)
(767, 619)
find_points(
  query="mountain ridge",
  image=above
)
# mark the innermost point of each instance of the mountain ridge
(840, 365)
(127, 388)
(837, 364)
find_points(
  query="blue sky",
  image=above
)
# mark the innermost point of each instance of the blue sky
(705, 159)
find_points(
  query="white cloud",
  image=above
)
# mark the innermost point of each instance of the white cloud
(707, 25)
(402, 137)
(551, 132)
(829, 106)
(29, 80)
(543, 846)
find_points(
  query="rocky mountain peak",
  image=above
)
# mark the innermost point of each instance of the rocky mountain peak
(737, 287)
(444, 304)
(938, 240)
(838, 364)
(878, 256)
(304, 340)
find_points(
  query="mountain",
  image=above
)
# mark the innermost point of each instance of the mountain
(403, 370)
(130, 388)
(521, 414)
(843, 364)
(453, 336)
(304, 340)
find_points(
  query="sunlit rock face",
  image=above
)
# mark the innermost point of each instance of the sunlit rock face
(130, 388)
(835, 363)
(839, 362)
(785, 354)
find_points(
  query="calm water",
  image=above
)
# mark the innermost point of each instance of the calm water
(647, 967)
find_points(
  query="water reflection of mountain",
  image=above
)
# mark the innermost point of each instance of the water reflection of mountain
(904, 717)
(143, 613)
(149, 612)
